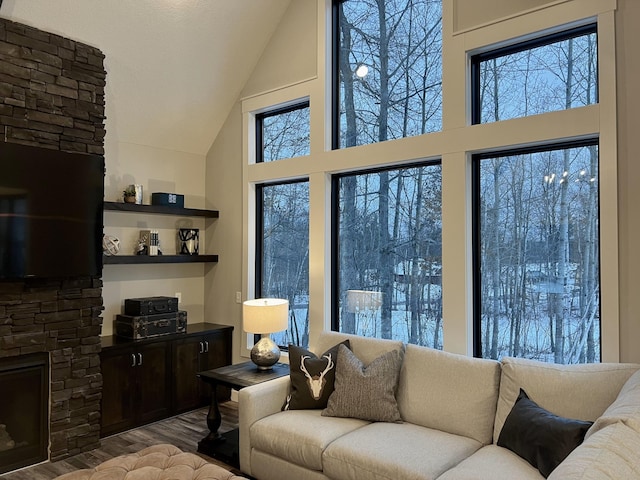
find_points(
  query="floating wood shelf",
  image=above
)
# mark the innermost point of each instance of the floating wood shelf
(148, 259)
(161, 209)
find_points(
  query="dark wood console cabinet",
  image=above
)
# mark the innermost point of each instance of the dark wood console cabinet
(194, 354)
(148, 380)
(136, 385)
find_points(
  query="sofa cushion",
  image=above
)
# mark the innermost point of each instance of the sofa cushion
(276, 468)
(312, 378)
(493, 462)
(366, 348)
(393, 451)
(611, 453)
(300, 436)
(625, 408)
(582, 392)
(449, 392)
(539, 436)
(368, 393)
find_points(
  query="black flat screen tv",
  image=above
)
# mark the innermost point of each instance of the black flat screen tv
(51, 213)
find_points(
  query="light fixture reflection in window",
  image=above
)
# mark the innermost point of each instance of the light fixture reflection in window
(362, 70)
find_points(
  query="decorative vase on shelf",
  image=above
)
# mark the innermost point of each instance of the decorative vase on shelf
(189, 241)
(133, 194)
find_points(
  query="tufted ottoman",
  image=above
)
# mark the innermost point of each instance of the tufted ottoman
(159, 462)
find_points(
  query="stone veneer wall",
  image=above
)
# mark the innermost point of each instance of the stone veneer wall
(52, 95)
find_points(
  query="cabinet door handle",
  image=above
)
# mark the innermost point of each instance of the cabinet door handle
(206, 345)
(133, 360)
(201, 347)
(139, 359)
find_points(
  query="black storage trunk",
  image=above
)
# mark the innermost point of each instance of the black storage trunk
(150, 305)
(146, 326)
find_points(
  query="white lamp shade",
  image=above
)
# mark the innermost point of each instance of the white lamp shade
(359, 300)
(265, 315)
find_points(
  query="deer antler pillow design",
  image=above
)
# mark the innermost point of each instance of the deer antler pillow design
(312, 377)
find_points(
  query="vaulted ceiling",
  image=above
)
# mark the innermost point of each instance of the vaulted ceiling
(174, 67)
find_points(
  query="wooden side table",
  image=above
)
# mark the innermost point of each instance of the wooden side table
(224, 447)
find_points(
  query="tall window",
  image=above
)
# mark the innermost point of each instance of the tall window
(282, 214)
(387, 254)
(547, 74)
(283, 254)
(537, 282)
(387, 70)
(283, 133)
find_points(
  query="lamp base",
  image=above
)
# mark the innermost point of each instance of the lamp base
(265, 353)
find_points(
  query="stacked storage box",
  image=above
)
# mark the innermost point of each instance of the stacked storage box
(150, 317)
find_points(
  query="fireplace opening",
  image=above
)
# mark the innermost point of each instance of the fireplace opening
(24, 410)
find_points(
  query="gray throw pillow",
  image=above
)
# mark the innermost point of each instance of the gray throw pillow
(367, 393)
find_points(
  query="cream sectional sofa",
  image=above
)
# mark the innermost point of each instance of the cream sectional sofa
(453, 408)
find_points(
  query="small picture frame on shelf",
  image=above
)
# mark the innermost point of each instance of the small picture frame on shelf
(144, 242)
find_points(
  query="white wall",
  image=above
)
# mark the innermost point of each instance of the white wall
(158, 170)
(290, 57)
(472, 13)
(174, 67)
(627, 41)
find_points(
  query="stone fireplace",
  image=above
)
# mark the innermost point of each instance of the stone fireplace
(52, 95)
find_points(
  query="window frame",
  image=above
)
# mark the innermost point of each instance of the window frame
(335, 226)
(518, 47)
(476, 160)
(334, 79)
(259, 228)
(259, 238)
(455, 145)
(259, 124)
(335, 75)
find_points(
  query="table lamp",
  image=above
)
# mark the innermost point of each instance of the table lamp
(265, 316)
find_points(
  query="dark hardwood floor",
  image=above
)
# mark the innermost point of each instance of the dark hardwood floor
(184, 431)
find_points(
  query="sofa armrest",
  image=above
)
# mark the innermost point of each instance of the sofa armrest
(254, 403)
